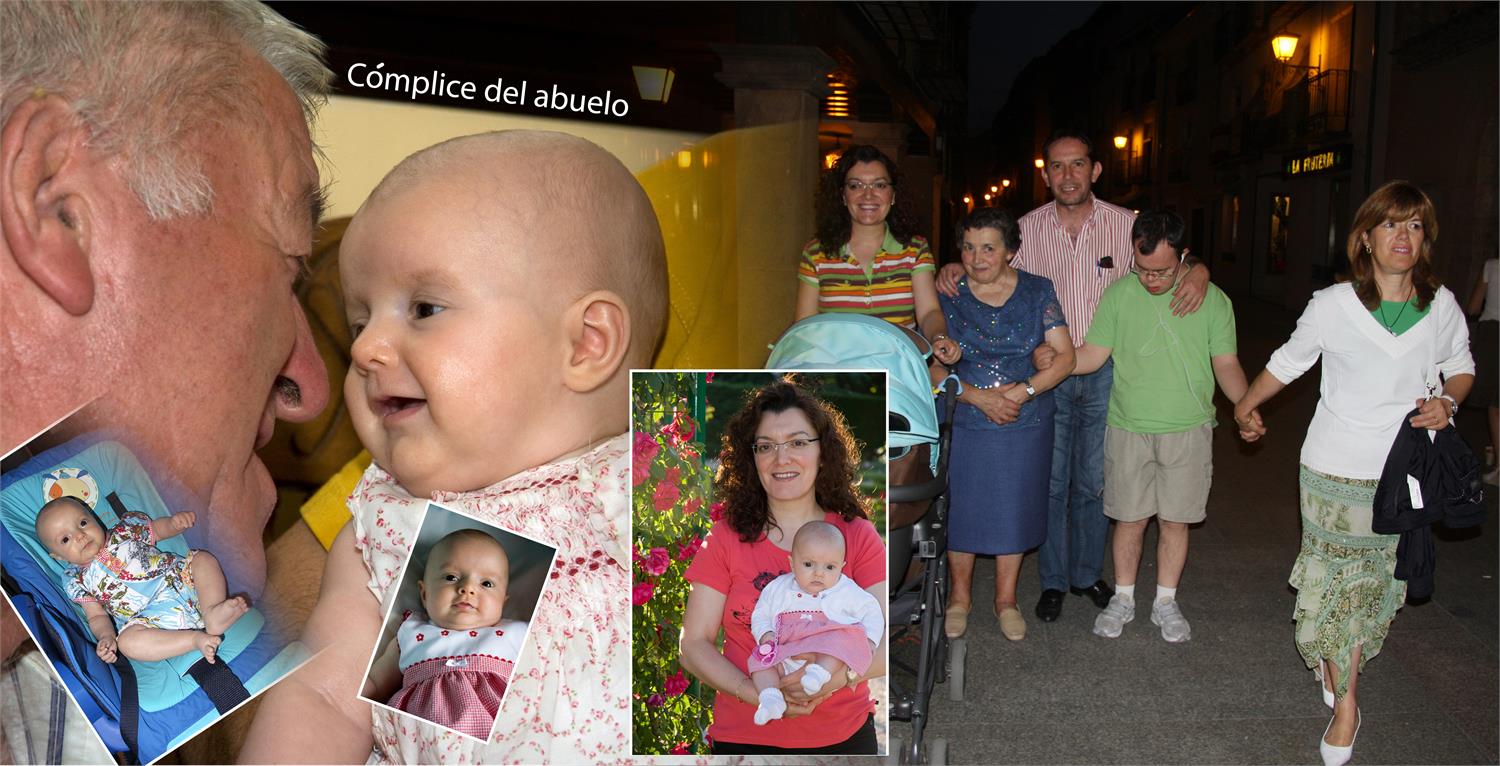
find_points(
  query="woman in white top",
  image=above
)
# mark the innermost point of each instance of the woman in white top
(1384, 337)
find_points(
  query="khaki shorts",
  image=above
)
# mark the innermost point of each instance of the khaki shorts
(1165, 475)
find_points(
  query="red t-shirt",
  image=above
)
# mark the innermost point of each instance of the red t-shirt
(739, 571)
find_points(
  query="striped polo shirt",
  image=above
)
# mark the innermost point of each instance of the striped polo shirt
(881, 289)
(1048, 251)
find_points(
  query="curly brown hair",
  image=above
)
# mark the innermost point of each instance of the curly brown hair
(832, 213)
(1395, 201)
(737, 483)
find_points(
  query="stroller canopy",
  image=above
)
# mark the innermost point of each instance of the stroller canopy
(856, 342)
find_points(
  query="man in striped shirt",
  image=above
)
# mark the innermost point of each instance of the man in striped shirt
(1082, 244)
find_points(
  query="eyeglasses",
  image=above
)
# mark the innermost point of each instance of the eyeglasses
(795, 446)
(1155, 275)
(855, 186)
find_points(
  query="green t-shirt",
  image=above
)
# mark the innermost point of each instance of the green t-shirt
(1164, 375)
(1399, 316)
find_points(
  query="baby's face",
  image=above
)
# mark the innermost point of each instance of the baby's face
(70, 533)
(817, 565)
(457, 352)
(464, 586)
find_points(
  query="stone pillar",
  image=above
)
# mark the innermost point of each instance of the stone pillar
(776, 94)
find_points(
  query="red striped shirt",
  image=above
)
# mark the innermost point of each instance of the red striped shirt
(1048, 251)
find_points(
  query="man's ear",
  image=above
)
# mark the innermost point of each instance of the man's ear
(598, 333)
(44, 200)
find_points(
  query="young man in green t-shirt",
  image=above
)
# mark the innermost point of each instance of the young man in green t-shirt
(1158, 442)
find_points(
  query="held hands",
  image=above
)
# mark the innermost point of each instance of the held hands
(106, 649)
(946, 350)
(1433, 414)
(1187, 296)
(1042, 356)
(1250, 424)
(947, 279)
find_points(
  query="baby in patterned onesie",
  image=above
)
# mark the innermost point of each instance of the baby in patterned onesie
(454, 659)
(119, 575)
(499, 287)
(812, 610)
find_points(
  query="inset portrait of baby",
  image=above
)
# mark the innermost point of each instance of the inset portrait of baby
(457, 624)
(129, 595)
(760, 567)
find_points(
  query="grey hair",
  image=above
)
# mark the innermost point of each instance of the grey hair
(143, 76)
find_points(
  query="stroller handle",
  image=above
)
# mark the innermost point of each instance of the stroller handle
(927, 490)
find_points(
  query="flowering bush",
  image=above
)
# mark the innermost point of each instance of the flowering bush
(672, 514)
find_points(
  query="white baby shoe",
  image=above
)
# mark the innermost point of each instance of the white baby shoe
(772, 706)
(814, 677)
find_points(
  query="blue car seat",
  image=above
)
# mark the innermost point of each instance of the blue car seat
(139, 709)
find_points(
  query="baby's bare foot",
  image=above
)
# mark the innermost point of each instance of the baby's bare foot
(218, 618)
(208, 645)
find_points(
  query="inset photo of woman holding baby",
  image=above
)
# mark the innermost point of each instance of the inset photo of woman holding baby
(759, 596)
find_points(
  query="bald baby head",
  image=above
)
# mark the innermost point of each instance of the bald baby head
(574, 212)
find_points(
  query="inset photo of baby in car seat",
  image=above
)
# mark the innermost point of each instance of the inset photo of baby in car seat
(125, 589)
(456, 626)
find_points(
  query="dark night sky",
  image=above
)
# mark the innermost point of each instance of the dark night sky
(1003, 38)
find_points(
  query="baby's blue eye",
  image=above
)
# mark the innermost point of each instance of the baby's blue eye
(425, 310)
(488, 583)
(450, 578)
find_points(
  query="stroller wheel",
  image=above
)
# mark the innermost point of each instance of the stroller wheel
(958, 650)
(937, 752)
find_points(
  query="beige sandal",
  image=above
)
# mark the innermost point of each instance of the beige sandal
(956, 622)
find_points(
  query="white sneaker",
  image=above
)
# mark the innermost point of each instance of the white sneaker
(1111, 622)
(814, 677)
(1168, 616)
(772, 706)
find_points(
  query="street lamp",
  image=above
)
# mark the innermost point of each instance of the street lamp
(1120, 142)
(986, 197)
(1284, 45)
(1005, 182)
(994, 190)
(968, 200)
(654, 83)
(1039, 163)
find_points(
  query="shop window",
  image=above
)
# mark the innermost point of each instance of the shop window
(1281, 218)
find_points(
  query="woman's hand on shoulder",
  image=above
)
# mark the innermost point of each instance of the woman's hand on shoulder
(947, 279)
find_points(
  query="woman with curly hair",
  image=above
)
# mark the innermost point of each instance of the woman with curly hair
(868, 257)
(787, 459)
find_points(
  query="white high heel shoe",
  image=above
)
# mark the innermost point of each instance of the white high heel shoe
(1334, 755)
(1327, 694)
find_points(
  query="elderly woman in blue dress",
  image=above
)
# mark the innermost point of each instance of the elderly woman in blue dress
(1002, 435)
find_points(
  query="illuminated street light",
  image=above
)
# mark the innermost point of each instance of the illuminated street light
(1005, 182)
(1284, 46)
(1039, 163)
(1120, 142)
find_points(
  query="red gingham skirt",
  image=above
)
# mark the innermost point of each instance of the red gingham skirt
(463, 697)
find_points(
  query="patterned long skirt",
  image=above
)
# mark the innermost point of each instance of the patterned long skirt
(1347, 593)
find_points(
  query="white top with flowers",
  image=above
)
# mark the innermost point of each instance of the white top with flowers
(569, 698)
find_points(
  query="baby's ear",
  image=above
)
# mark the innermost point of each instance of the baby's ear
(598, 334)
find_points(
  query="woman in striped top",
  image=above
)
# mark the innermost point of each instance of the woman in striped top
(867, 257)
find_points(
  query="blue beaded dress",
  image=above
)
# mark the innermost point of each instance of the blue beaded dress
(998, 475)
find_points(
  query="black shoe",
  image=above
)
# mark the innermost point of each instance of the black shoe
(1049, 606)
(1099, 593)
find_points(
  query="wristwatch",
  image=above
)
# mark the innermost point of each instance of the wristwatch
(1030, 389)
(1452, 405)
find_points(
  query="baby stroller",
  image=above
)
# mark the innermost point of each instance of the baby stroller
(919, 435)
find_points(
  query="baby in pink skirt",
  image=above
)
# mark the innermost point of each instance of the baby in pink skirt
(812, 610)
(454, 662)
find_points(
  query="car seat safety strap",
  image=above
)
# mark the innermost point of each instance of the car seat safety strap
(114, 502)
(223, 687)
(130, 703)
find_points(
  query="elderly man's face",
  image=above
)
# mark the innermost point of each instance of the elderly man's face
(217, 341)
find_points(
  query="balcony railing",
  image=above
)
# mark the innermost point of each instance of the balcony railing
(1317, 105)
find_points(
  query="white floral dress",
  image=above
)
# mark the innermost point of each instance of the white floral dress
(137, 582)
(569, 697)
